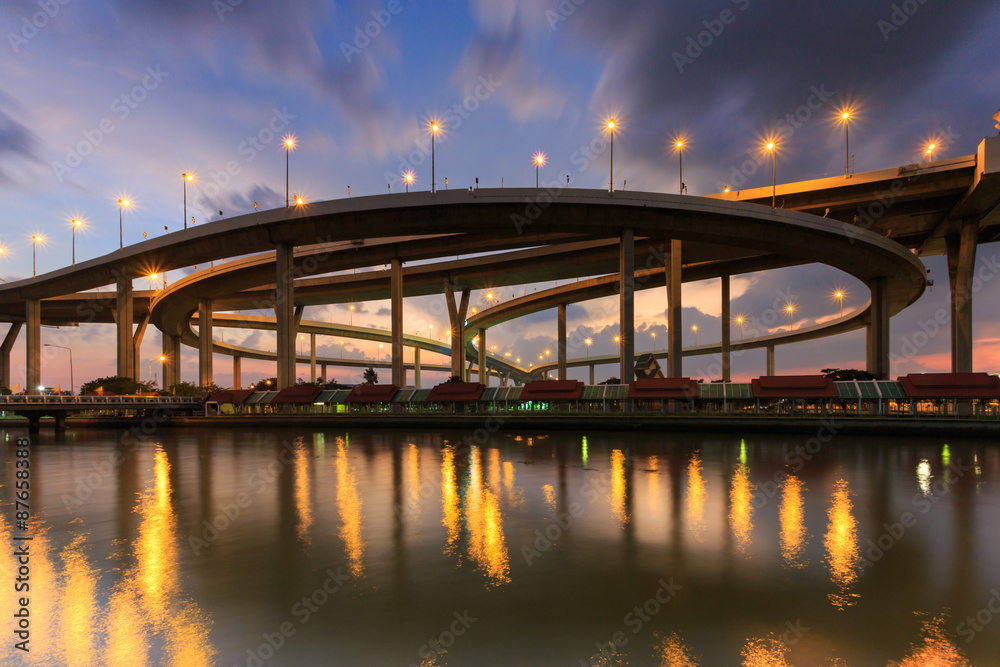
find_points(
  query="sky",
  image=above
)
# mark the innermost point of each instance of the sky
(107, 99)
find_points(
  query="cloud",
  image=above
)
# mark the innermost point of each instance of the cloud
(17, 142)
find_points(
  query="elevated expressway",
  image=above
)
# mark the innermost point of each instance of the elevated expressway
(291, 258)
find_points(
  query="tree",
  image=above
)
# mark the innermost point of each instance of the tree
(265, 384)
(847, 374)
(456, 378)
(116, 385)
(190, 389)
(611, 381)
(371, 377)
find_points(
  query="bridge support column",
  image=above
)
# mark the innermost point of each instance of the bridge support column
(726, 331)
(322, 372)
(171, 351)
(124, 320)
(562, 341)
(284, 314)
(961, 267)
(673, 264)
(205, 342)
(8, 344)
(312, 358)
(878, 329)
(237, 372)
(770, 360)
(456, 315)
(33, 346)
(592, 374)
(483, 377)
(626, 304)
(416, 367)
(396, 293)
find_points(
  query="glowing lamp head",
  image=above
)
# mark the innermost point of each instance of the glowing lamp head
(36, 238)
(77, 223)
(839, 295)
(770, 146)
(680, 144)
(299, 201)
(790, 308)
(435, 128)
(739, 320)
(846, 115)
(152, 276)
(931, 147)
(290, 142)
(611, 124)
(694, 327)
(124, 202)
(162, 358)
(588, 341)
(409, 177)
(188, 177)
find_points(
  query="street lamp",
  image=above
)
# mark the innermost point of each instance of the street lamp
(408, 177)
(152, 277)
(773, 147)
(611, 122)
(35, 240)
(122, 203)
(72, 385)
(352, 314)
(839, 296)
(186, 177)
(299, 201)
(739, 321)
(341, 349)
(654, 341)
(791, 312)
(75, 222)
(930, 152)
(289, 147)
(694, 328)
(540, 159)
(679, 145)
(845, 117)
(435, 127)
(588, 342)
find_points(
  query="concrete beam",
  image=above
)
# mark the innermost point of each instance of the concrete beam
(726, 330)
(123, 320)
(674, 263)
(5, 348)
(205, 342)
(33, 345)
(626, 304)
(961, 267)
(396, 295)
(562, 341)
(284, 307)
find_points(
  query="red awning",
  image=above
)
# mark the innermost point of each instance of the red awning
(456, 392)
(299, 394)
(794, 386)
(951, 385)
(552, 390)
(233, 396)
(372, 393)
(663, 388)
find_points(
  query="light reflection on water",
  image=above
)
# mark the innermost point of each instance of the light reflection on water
(119, 584)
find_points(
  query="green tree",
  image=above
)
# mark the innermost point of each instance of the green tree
(114, 384)
(265, 384)
(190, 389)
(847, 374)
(371, 377)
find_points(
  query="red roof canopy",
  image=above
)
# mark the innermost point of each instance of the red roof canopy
(794, 386)
(552, 390)
(456, 392)
(657, 388)
(951, 385)
(303, 393)
(372, 393)
(234, 396)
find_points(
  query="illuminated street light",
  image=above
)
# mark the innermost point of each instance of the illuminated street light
(694, 328)
(299, 201)
(152, 277)
(186, 177)
(352, 314)
(409, 177)
(773, 147)
(588, 342)
(341, 349)
(289, 147)
(679, 146)
(611, 123)
(845, 118)
(930, 152)
(435, 127)
(654, 341)
(791, 312)
(839, 296)
(540, 160)
(76, 222)
(122, 203)
(35, 240)
(739, 321)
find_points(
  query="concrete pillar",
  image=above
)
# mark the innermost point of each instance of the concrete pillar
(961, 267)
(416, 367)
(8, 344)
(237, 372)
(312, 358)
(322, 371)
(123, 320)
(284, 314)
(456, 315)
(33, 345)
(483, 378)
(770, 360)
(626, 304)
(562, 341)
(878, 329)
(171, 349)
(205, 350)
(592, 375)
(726, 331)
(396, 294)
(673, 262)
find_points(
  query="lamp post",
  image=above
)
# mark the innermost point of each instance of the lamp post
(35, 240)
(846, 117)
(72, 385)
(152, 277)
(680, 163)
(654, 341)
(791, 312)
(839, 296)
(289, 147)
(341, 349)
(352, 314)
(694, 328)
(539, 159)
(739, 321)
(75, 222)
(588, 342)
(771, 146)
(435, 128)
(122, 203)
(186, 177)
(611, 129)
(930, 152)
(408, 178)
